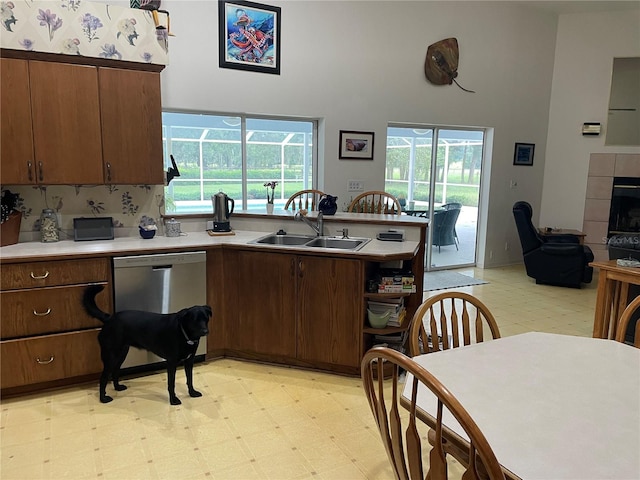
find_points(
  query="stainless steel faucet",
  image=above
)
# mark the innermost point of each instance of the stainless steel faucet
(317, 227)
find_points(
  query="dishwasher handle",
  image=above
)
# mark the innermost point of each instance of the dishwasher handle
(161, 267)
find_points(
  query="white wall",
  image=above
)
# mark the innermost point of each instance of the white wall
(359, 65)
(586, 46)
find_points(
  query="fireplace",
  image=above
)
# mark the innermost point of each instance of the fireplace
(624, 214)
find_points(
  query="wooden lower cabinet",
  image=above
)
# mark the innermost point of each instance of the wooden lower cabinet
(295, 309)
(330, 311)
(260, 295)
(46, 310)
(47, 337)
(49, 357)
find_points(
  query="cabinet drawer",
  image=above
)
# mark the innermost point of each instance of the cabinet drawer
(47, 310)
(45, 274)
(47, 358)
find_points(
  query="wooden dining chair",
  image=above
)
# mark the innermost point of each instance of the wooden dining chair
(375, 201)
(449, 320)
(403, 434)
(625, 319)
(304, 200)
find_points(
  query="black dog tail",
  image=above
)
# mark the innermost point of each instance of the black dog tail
(89, 302)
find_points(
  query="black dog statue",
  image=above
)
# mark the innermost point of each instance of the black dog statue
(172, 336)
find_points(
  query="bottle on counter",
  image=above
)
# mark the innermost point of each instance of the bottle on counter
(49, 231)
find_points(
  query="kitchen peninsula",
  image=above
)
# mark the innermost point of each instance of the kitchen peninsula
(294, 305)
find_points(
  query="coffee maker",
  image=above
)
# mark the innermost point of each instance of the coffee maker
(222, 211)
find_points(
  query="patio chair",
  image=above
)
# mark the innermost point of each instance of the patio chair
(451, 206)
(444, 225)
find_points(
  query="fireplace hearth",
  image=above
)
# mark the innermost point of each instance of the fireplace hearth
(624, 214)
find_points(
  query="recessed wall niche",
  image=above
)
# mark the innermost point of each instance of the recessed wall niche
(623, 125)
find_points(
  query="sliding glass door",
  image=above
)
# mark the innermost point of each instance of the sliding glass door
(435, 172)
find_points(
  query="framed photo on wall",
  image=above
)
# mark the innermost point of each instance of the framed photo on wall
(523, 154)
(355, 145)
(249, 36)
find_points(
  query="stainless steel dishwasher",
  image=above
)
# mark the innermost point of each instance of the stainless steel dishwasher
(160, 283)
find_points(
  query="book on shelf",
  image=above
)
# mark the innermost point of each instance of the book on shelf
(396, 289)
(390, 338)
(398, 319)
(382, 307)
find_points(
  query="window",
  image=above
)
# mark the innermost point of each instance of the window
(456, 166)
(431, 170)
(236, 154)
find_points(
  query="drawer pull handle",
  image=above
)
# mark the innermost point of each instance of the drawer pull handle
(39, 277)
(47, 362)
(43, 314)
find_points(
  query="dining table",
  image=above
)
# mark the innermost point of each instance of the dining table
(551, 406)
(421, 211)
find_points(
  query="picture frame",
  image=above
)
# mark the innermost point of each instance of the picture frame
(523, 154)
(249, 36)
(355, 145)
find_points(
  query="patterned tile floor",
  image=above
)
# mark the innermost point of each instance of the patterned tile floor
(253, 421)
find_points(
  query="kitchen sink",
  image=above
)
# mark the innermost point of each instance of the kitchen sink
(274, 239)
(354, 243)
(342, 243)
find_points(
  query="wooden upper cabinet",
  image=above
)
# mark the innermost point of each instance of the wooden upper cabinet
(66, 123)
(16, 141)
(131, 112)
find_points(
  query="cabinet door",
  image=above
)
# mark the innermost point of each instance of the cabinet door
(259, 312)
(47, 310)
(16, 141)
(50, 357)
(66, 123)
(330, 310)
(131, 112)
(54, 273)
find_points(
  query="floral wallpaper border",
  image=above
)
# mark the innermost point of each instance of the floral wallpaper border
(84, 28)
(127, 204)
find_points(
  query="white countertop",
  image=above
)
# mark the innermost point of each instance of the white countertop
(190, 241)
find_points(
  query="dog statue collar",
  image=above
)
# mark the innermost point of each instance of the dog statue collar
(189, 342)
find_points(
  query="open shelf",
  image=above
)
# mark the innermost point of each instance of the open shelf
(386, 330)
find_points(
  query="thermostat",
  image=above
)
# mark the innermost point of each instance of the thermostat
(590, 128)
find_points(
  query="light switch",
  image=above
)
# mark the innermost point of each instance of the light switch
(355, 186)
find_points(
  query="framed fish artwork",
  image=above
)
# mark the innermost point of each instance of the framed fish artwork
(249, 36)
(355, 145)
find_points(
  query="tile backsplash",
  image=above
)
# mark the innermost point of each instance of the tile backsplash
(125, 203)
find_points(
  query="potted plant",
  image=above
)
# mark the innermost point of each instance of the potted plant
(270, 186)
(10, 219)
(147, 227)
